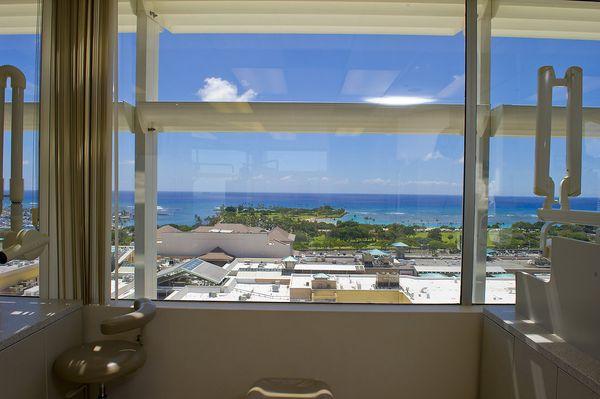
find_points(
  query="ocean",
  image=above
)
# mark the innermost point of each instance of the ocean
(424, 210)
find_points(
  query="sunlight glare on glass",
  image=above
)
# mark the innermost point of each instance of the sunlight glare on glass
(399, 100)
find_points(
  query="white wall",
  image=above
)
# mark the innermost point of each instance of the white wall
(385, 352)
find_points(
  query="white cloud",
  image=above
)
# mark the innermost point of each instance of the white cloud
(435, 155)
(322, 179)
(286, 178)
(435, 183)
(378, 181)
(127, 162)
(217, 89)
(461, 160)
(25, 162)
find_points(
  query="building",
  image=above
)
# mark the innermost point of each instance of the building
(19, 276)
(400, 248)
(333, 268)
(376, 257)
(364, 288)
(218, 257)
(192, 272)
(224, 241)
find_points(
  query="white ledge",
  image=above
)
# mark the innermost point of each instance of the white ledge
(332, 118)
(307, 307)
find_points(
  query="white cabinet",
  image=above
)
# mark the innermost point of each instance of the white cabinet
(513, 368)
(570, 388)
(536, 376)
(23, 370)
(26, 366)
(497, 371)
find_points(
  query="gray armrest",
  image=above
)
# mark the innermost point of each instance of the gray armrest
(143, 313)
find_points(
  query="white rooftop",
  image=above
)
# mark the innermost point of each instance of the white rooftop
(436, 291)
(126, 289)
(126, 269)
(327, 267)
(256, 263)
(344, 281)
(252, 276)
(241, 292)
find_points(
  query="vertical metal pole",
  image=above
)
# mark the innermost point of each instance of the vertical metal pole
(484, 37)
(476, 155)
(116, 220)
(147, 41)
(48, 277)
(17, 183)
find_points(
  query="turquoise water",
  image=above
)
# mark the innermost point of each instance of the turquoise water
(426, 210)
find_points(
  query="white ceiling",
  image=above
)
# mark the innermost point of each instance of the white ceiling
(516, 18)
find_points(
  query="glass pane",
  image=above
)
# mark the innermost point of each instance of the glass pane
(20, 47)
(122, 244)
(309, 161)
(513, 239)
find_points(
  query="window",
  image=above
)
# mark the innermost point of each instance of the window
(513, 239)
(20, 47)
(315, 151)
(297, 159)
(122, 245)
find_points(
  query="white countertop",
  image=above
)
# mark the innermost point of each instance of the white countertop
(577, 363)
(23, 316)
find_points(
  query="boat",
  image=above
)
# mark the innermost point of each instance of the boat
(162, 211)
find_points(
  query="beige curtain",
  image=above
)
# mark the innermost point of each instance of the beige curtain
(81, 123)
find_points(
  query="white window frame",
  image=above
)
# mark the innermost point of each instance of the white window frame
(476, 125)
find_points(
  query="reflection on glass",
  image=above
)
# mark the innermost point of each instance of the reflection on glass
(20, 47)
(307, 167)
(513, 239)
(122, 233)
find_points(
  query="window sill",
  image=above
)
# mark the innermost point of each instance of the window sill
(309, 307)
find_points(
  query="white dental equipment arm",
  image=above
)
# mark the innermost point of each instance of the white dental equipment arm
(18, 243)
(571, 183)
(28, 244)
(570, 186)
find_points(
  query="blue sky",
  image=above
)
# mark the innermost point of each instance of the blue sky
(20, 50)
(334, 68)
(347, 68)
